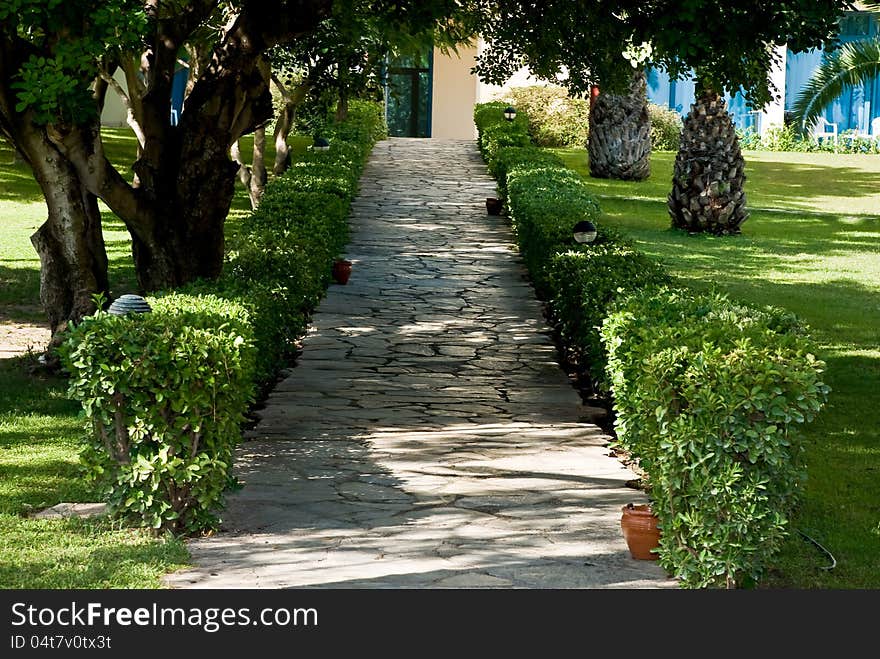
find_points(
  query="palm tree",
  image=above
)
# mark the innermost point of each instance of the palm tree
(619, 142)
(853, 64)
(708, 180)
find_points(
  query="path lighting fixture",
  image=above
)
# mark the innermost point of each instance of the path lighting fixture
(584, 232)
(321, 144)
(510, 113)
(126, 304)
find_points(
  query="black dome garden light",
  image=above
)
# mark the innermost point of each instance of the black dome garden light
(584, 232)
(321, 144)
(510, 113)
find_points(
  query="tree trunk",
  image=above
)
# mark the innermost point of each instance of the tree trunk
(709, 175)
(253, 176)
(342, 106)
(70, 242)
(620, 134)
(292, 100)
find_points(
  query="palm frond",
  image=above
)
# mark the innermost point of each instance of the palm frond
(852, 65)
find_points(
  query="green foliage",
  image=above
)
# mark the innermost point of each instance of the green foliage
(496, 132)
(708, 395)
(728, 45)
(279, 264)
(555, 118)
(666, 127)
(511, 159)
(852, 65)
(164, 395)
(789, 138)
(545, 204)
(583, 285)
(60, 44)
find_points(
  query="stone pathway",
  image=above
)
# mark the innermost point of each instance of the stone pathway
(427, 437)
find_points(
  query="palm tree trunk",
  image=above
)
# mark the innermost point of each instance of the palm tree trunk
(620, 134)
(708, 181)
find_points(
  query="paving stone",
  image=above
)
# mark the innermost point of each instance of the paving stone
(61, 510)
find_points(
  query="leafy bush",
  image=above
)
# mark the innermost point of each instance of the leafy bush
(496, 132)
(164, 395)
(665, 128)
(788, 138)
(545, 203)
(555, 119)
(510, 159)
(708, 395)
(583, 284)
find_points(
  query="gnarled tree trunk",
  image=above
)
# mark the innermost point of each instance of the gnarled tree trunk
(70, 242)
(708, 181)
(620, 134)
(284, 124)
(252, 176)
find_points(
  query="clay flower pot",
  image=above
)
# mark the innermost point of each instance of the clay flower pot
(494, 206)
(639, 524)
(341, 271)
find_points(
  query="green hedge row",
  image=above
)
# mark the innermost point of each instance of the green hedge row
(708, 394)
(165, 393)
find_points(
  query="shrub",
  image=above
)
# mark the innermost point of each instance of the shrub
(496, 132)
(582, 286)
(555, 119)
(519, 159)
(788, 138)
(665, 128)
(545, 203)
(708, 395)
(164, 395)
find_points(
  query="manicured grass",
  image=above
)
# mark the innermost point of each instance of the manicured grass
(811, 245)
(40, 431)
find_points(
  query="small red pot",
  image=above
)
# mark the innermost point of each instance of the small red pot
(341, 271)
(494, 206)
(639, 525)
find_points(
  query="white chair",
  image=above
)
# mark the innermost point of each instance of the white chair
(824, 129)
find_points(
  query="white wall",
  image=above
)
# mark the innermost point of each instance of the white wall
(774, 113)
(454, 94)
(114, 112)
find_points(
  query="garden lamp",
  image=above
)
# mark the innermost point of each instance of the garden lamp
(126, 304)
(584, 232)
(510, 113)
(321, 144)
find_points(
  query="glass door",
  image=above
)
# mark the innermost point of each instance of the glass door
(408, 95)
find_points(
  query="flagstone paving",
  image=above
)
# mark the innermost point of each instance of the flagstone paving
(427, 437)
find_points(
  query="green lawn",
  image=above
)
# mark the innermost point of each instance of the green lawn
(39, 429)
(811, 245)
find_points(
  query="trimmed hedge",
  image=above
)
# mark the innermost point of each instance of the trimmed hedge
(545, 204)
(584, 284)
(165, 393)
(496, 132)
(708, 395)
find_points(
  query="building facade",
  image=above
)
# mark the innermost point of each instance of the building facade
(435, 96)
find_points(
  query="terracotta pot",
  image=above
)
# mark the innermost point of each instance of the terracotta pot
(494, 206)
(341, 271)
(639, 524)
